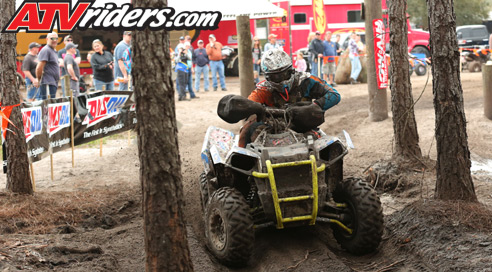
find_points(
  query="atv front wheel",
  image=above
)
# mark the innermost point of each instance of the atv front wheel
(229, 227)
(363, 215)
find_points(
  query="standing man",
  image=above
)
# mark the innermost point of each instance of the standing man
(181, 41)
(29, 68)
(200, 59)
(48, 69)
(123, 61)
(354, 59)
(72, 67)
(214, 52)
(61, 57)
(316, 49)
(330, 51)
(272, 43)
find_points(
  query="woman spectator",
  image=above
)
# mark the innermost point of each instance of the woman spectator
(256, 58)
(102, 67)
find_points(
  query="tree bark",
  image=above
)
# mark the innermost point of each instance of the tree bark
(166, 244)
(404, 125)
(245, 55)
(18, 178)
(378, 104)
(454, 180)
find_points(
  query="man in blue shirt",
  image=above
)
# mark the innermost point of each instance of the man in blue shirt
(123, 61)
(200, 59)
(47, 70)
(330, 51)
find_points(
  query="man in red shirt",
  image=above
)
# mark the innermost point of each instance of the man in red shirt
(214, 52)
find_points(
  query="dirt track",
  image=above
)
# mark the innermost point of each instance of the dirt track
(413, 240)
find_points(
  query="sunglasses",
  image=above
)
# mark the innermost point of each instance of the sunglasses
(54, 39)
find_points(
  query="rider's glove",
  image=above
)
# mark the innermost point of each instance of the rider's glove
(305, 118)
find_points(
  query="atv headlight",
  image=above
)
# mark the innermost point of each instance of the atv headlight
(243, 162)
(332, 151)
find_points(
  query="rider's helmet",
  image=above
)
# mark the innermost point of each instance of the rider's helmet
(277, 66)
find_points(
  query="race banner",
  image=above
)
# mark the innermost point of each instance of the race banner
(103, 114)
(96, 115)
(35, 130)
(380, 54)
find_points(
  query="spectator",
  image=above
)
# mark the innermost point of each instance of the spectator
(300, 62)
(61, 56)
(183, 72)
(360, 44)
(214, 52)
(102, 67)
(330, 51)
(48, 69)
(316, 49)
(339, 47)
(354, 59)
(272, 38)
(29, 69)
(72, 67)
(200, 59)
(256, 57)
(123, 60)
(191, 71)
(181, 42)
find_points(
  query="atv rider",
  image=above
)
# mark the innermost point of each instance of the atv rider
(283, 87)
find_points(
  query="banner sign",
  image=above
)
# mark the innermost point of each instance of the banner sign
(47, 122)
(380, 53)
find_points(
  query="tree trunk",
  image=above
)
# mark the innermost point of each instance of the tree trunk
(378, 104)
(245, 56)
(18, 178)
(166, 244)
(404, 125)
(454, 180)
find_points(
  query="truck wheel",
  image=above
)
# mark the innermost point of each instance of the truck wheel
(421, 50)
(235, 67)
(474, 67)
(363, 215)
(420, 69)
(229, 227)
(203, 190)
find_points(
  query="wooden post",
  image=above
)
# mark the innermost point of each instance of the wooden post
(378, 103)
(247, 83)
(487, 90)
(71, 128)
(32, 177)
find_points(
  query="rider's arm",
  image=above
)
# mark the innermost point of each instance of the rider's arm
(325, 96)
(261, 96)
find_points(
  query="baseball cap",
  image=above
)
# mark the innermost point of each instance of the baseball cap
(34, 44)
(317, 32)
(272, 36)
(181, 38)
(71, 45)
(67, 37)
(200, 41)
(211, 36)
(127, 33)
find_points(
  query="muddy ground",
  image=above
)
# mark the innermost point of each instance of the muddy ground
(89, 217)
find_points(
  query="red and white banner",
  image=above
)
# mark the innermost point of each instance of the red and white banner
(379, 53)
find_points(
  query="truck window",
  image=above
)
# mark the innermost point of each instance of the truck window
(479, 32)
(299, 18)
(353, 16)
(465, 33)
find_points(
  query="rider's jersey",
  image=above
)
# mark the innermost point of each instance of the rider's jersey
(307, 88)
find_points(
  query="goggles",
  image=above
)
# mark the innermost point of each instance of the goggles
(280, 76)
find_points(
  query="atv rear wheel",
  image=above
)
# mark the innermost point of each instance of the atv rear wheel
(229, 227)
(420, 69)
(203, 190)
(363, 215)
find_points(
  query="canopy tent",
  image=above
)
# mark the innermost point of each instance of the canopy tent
(256, 9)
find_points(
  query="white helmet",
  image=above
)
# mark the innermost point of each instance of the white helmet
(277, 66)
